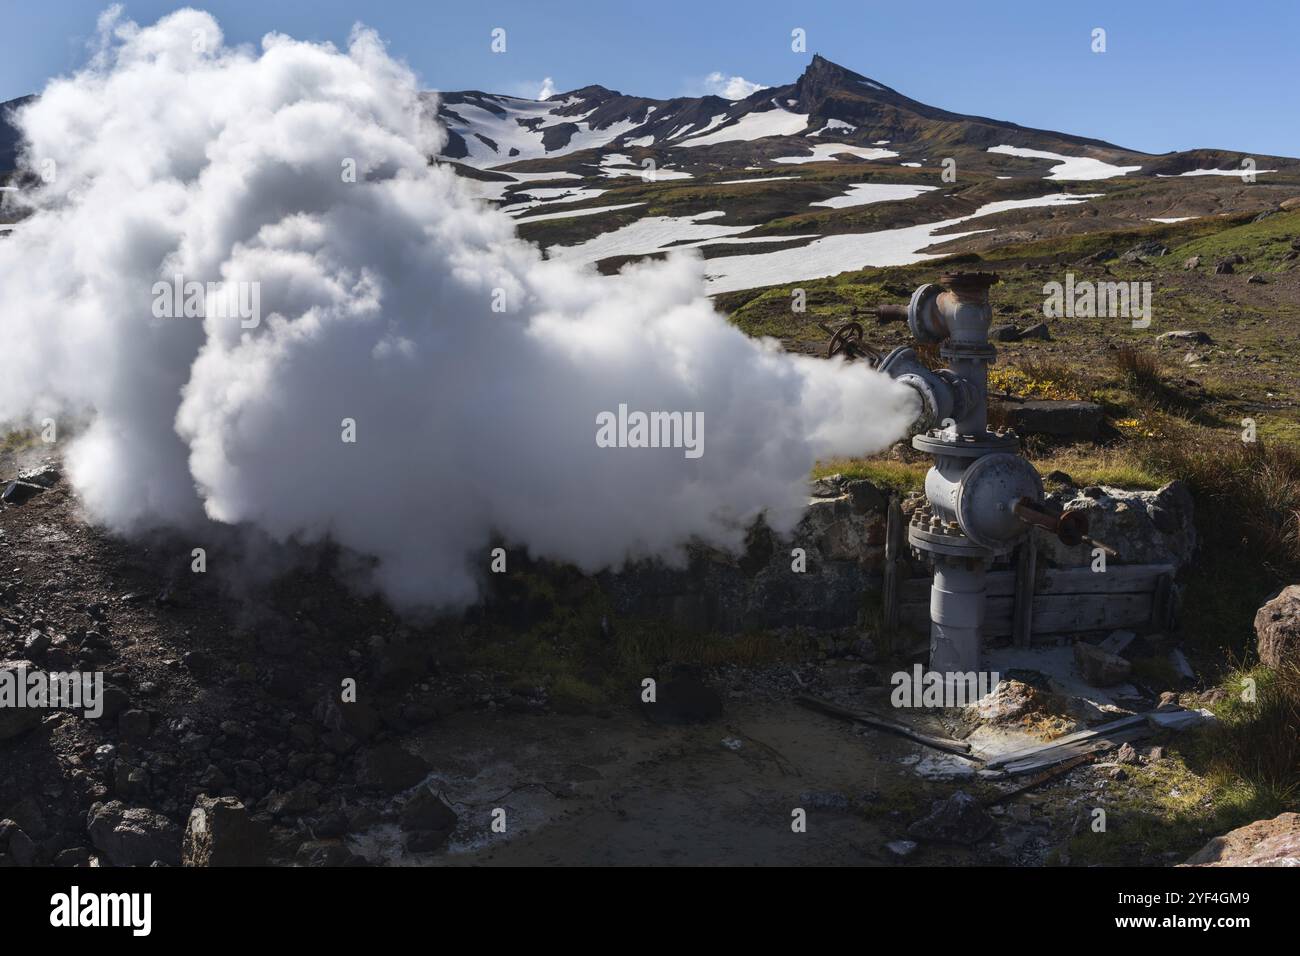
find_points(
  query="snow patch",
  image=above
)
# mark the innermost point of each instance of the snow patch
(835, 126)
(825, 151)
(832, 255)
(757, 179)
(1214, 172)
(647, 235)
(752, 126)
(579, 212)
(862, 194)
(1068, 167)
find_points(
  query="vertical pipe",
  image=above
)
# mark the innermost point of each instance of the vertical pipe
(956, 614)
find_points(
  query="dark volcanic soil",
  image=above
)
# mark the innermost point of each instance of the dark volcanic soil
(234, 691)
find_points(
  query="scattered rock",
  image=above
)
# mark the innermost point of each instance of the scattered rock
(328, 853)
(1100, 668)
(1274, 842)
(1182, 665)
(1005, 333)
(1257, 279)
(828, 486)
(958, 819)
(1150, 249)
(22, 848)
(16, 721)
(426, 811)
(133, 836)
(1117, 642)
(1224, 267)
(1126, 754)
(74, 856)
(220, 832)
(864, 497)
(1185, 337)
(1178, 719)
(1038, 331)
(901, 849)
(1009, 701)
(19, 492)
(133, 725)
(46, 474)
(1146, 527)
(390, 769)
(1193, 263)
(357, 719)
(294, 802)
(1277, 629)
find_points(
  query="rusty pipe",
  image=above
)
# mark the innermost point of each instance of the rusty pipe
(1070, 527)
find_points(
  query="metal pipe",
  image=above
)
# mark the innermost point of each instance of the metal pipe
(956, 615)
(982, 496)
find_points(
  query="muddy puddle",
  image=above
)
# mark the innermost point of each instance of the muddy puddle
(622, 791)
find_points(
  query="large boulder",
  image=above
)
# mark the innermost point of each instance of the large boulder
(220, 832)
(1274, 842)
(842, 536)
(1277, 629)
(427, 821)
(389, 768)
(1145, 527)
(1099, 667)
(133, 836)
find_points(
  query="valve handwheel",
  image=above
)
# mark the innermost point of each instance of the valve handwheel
(846, 341)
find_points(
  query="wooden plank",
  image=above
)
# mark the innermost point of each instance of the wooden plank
(1162, 603)
(1022, 616)
(1054, 756)
(1116, 579)
(1045, 777)
(1069, 613)
(1071, 745)
(1053, 614)
(893, 568)
(958, 747)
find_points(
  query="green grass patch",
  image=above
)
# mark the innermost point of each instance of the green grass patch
(1262, 244)
(901, 477)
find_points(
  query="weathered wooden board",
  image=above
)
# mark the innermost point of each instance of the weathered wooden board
(1022, 616)
(1066, 601)
(1053, 613)
(1116, 579)
(1079, 743)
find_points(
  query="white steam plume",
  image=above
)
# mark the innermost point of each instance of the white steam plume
(173, 154)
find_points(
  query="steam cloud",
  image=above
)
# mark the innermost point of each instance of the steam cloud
(174, 154)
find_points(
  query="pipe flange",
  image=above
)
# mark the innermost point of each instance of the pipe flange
(954, 350)
(953, 544)
(920, 314)
(966, 446)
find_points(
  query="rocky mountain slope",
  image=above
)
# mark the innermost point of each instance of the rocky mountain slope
(832, 173)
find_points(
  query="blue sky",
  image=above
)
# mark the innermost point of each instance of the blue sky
(1175, 75)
